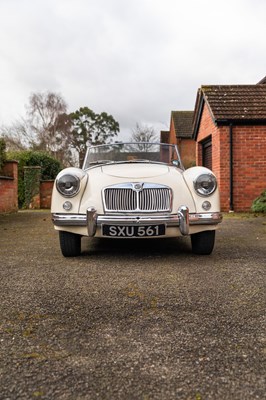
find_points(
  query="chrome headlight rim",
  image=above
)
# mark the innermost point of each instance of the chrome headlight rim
(209, 179)
(71, 191)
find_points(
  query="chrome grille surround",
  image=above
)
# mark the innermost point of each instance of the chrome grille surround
(137, 197)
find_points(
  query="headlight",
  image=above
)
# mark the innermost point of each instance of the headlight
(68, 185)
(205, 184)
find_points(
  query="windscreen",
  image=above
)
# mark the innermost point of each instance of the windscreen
(132, 153)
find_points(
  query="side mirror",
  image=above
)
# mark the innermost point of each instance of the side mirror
(176, 163)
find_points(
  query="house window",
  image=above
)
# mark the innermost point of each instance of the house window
(207, 153)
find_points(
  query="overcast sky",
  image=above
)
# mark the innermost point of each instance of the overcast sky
(135, 59)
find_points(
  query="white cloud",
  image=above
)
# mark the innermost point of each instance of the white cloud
(136, 60)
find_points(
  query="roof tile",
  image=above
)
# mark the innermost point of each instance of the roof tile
(182, 123)
(236, 102)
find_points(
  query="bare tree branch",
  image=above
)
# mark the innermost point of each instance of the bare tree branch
(143, 135)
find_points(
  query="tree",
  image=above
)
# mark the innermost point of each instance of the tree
(143, 135)
(89, 128)
(44, 110)
(61, 140)
(46, 127)
(17, 136)
(49, 122)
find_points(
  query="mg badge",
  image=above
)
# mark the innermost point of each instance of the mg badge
(137, 186)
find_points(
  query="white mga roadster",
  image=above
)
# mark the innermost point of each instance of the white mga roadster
(135, 190)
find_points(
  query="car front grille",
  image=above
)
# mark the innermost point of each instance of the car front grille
(137, 197)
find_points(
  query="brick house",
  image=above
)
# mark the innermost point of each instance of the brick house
(229, 128)
(180, 133)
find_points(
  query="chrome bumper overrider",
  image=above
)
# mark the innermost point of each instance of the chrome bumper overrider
(183, 219)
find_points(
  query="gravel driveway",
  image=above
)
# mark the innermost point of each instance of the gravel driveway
(132, 319)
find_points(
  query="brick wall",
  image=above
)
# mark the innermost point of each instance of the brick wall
(186, 147)
(9, 187)
(9, 190)
(249, 160)
(43, 198)
(172, 135)
(46, 188)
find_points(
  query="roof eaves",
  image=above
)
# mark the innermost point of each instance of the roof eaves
(197, 114)
(262, 81)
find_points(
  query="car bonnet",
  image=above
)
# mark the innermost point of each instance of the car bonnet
(135, 170)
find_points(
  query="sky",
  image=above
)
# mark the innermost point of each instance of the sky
(137, 60)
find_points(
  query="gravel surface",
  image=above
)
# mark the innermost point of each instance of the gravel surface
(137, 319)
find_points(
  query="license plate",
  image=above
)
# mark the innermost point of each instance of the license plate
(121, 231)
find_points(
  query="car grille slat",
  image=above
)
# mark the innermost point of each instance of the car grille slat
(145, 200)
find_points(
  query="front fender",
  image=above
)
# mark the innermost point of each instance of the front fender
(58, 199)
(190, 175)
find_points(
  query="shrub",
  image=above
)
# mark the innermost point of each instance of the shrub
(2, 153)
(49, 168)
(259, 204)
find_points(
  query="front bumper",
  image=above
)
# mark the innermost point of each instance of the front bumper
(182, 219)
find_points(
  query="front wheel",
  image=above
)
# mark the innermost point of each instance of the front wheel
(203, 242)
(70, 244)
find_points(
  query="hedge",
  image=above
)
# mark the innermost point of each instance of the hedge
(2, 153)
(49, 168)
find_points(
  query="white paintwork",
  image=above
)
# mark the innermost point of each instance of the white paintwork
(135, 171)
(96, 178)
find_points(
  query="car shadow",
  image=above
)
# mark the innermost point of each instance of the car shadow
(141, 247)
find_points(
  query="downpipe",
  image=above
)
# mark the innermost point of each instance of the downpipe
(231, 173)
